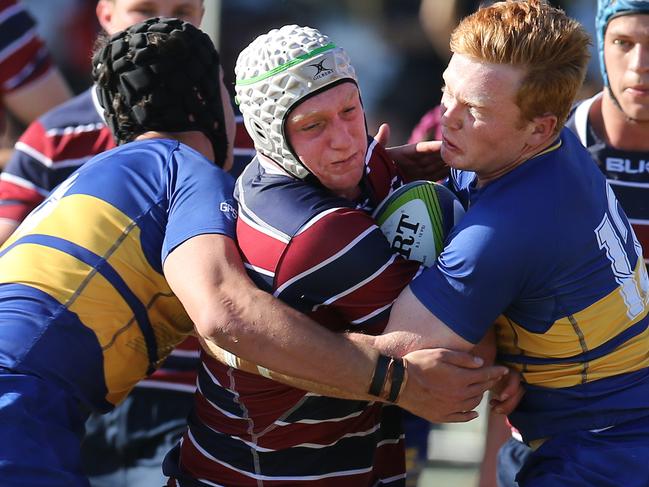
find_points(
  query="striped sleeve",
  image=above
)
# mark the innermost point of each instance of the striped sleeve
(23, 56)
(42, 159)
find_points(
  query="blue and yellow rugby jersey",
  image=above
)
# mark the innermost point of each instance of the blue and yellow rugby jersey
(547, 254)
(83, 301)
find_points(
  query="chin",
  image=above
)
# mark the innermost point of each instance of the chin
(453, 161)
(640, 114)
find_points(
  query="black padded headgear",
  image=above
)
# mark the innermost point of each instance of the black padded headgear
(161, 74)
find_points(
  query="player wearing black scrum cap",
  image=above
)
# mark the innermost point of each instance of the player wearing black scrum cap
(86, 308)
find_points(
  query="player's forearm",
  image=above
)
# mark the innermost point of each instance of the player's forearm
(232, 360)
(206, 274)
(259, 328)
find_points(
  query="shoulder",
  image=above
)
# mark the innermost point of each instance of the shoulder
(73, 130)
(382, 174)
(283, 202)
(579, 119)
(76, 112)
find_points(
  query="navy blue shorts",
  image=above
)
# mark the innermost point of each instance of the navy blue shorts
(40, 434)
(615, 457)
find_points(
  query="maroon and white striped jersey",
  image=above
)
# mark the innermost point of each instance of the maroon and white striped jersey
(23, 55)
(325, 256)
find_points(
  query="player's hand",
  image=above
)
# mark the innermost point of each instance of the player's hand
(417, 161)
(507, 393)
(445, 386)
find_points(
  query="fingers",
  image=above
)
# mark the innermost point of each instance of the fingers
(507, 404)
(383, 134)
(429, 146)
(469, 403)
(508, 386)
(461, 359)
(480, 388)
(496, 372)
(461, 417)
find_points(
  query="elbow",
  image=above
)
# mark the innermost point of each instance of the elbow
(217, 324)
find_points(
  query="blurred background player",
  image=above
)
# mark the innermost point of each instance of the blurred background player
(29, 83)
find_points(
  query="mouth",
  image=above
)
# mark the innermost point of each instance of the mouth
(448, 145)
(347, 160)
(638, 90)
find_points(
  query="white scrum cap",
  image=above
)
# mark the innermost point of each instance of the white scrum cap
(277, 71)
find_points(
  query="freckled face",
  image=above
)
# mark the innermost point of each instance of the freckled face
(482, 128)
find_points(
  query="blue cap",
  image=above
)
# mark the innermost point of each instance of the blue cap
(607, 10)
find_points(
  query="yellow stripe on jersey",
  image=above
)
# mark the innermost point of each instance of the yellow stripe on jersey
(629, 357)
(90, 295)
(577, 334)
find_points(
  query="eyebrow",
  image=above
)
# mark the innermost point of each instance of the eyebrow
(476, 102)
(620, 32)
(353, 95)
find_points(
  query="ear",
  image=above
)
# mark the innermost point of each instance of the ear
(542, 129)
(104, 12)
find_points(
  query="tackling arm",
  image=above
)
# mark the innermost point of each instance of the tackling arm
(207, 275)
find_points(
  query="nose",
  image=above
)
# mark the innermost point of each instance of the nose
(451, 116)
(640, 58)
(342, 135)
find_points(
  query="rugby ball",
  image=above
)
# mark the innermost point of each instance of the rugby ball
(416, 219)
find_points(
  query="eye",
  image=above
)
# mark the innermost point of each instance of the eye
(183, 13)
(310, 126)
(349, 112)
(145, 12)
(623, 43)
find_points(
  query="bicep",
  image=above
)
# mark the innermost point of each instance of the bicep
(199, 269)
(412, 326)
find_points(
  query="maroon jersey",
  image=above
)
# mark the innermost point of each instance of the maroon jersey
(23, 56)
(325, 256)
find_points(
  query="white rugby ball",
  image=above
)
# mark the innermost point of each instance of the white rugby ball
(417, 217)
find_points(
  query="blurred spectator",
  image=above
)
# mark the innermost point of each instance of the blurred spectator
(69, 28)
(29, 82)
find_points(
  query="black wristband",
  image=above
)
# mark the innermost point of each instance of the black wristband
(398, 373)
(380, 372)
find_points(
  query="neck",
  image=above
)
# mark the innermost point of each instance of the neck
(611, 124)
(528, 152)
(193, 138)
(350, 194)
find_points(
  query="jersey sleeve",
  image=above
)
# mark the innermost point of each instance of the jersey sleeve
(200, 200)
(341, 260)
(475, 278)
(25, 181)
(23, 55)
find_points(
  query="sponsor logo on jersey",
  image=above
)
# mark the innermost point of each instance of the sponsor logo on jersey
(229, 208)
(627, 166)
